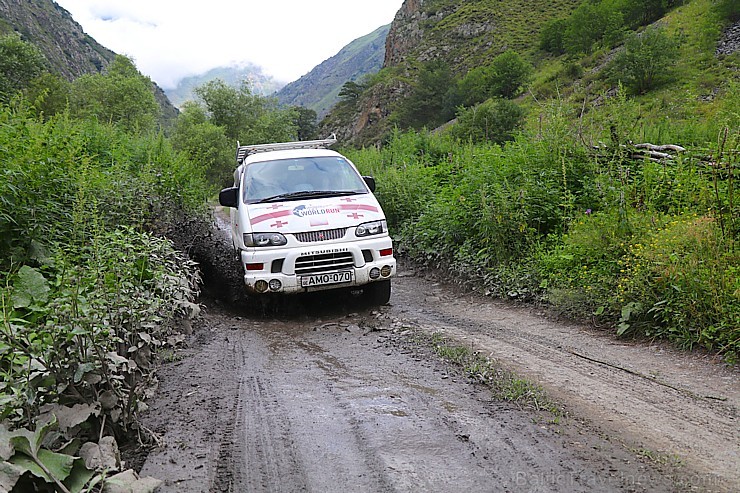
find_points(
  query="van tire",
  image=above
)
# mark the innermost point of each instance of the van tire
(378, 293)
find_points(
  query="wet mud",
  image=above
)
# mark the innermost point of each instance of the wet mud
(325, 393)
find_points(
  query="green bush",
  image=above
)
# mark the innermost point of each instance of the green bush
(546, 217)
(552, 36)
(682, 280)
(63, 176)
(505, 77)
(85, 323)
(494, 121)
(20, 63)
(645, 61)
(590, 24)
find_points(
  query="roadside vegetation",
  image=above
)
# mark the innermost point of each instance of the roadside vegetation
(97, 206)
(597, 175)
(558, 200)
(89, 288)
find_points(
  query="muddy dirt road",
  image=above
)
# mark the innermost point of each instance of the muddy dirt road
(335, 396)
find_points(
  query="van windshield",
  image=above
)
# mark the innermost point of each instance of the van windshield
(294, 179)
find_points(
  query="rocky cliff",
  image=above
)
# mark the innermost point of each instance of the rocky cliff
(462, 34)
(69, 51)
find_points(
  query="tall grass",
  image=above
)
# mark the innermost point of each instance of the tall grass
(568, 214)
(88, 290)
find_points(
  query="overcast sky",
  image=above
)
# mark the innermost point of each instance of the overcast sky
(171, 39)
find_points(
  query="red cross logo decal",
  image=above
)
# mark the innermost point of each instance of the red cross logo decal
(349, 199)
(355, 215)
(279, 224)
(275, 206)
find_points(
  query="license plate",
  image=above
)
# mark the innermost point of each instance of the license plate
(324, 279)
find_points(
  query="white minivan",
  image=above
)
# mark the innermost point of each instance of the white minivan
(303, 219)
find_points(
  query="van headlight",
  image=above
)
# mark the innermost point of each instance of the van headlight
(264, 239)
(373, 228)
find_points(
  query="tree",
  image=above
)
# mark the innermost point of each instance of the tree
(121, 96)
(552, 36)
(246, 117)
(426, 106)
(591, 23)
(641, 12)
(729, 9)
(204, 143)
(645, 60)
(494, 121)
(305, 123)
(504, 77)
(20, 63)
(49, 94)
(473, 88)
(509, 73)
(351, 91)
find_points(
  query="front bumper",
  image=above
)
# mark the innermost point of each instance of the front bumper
(279, 266)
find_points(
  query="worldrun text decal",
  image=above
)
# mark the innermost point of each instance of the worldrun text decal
(313, 212)
(303, 211)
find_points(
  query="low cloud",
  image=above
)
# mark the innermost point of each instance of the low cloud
(169, 40)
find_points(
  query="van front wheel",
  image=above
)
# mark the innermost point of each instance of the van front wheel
(378, 293)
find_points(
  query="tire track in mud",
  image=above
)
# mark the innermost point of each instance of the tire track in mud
(658, 405)
(305, 405)
(267, 456)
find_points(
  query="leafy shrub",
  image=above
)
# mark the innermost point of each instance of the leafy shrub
(20, 63)
(62, 176)
(426, 106)
(120, 96)
(684, 277)
(494, 121)
(86, 323)
(646, 60)
(642, 12)
(504, 77)
(728, 9)
(581, 271)
(591, 23)
(78, 335)
(552, 36)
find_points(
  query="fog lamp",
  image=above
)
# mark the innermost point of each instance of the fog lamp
(260, 286)
(374, 273)
(386, 271)
(275, 285)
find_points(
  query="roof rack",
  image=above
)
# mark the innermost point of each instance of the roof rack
(243, 151)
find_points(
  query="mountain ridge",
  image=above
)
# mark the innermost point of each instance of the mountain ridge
(319, 89)
(69, 51)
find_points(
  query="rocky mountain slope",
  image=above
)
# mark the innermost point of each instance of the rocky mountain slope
(319, 89)
(462, 34)
(69, 51)
(466, 35)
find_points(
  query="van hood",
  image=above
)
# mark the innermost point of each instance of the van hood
(298, 216)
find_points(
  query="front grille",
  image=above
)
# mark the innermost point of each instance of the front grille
(329, 234)
(327, 262)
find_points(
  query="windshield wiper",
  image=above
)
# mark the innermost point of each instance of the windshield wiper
(308, 193)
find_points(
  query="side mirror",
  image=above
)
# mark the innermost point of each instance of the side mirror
(370, 182)
(229, 197)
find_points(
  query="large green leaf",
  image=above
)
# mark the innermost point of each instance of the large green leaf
(58, 465)
(30, 285)
(81, 478)
(69, 417)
